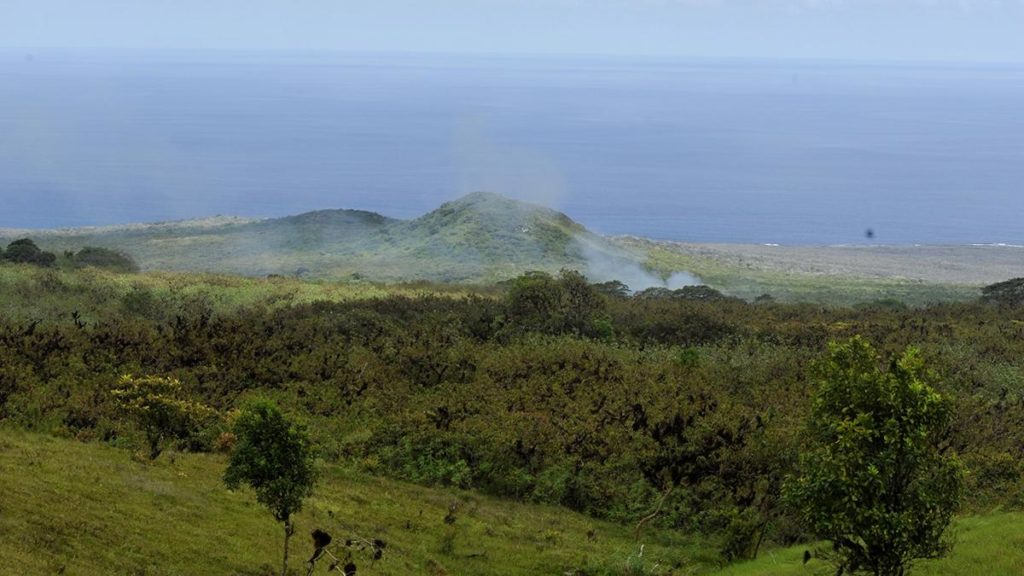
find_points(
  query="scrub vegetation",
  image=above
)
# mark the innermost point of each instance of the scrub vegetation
(672, 419)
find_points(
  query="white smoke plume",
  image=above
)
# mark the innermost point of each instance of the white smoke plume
(605, 263)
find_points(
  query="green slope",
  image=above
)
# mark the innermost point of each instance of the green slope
(992, 545)
(73, 508)
(85, 509)
(480, 237)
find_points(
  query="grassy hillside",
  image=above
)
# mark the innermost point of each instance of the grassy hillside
(992, 544)
(79, 509)
(73, 508)
(481, 237)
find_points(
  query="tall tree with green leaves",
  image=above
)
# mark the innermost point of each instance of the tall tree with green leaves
(274, 457)
(879, 481)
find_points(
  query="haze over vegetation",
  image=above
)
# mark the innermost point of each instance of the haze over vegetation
(485, 237)
(480, 237)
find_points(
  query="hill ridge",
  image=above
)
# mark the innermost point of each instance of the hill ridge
(479, 237)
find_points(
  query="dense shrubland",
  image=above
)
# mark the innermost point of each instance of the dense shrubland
(683, 409)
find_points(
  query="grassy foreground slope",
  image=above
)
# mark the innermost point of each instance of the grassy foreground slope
(992, 545)
(73, 508)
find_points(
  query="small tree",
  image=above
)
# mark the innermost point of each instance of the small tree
(878, 482)
(273, 456)
(154, 403)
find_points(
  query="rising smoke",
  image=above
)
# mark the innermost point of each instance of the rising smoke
(528, 175)
(605, 263)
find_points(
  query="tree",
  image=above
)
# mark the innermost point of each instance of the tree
(878, 482)
(581, 303)
(699, 292)
(25, 251)
(567, 304)
(105, 258)
(273, 456)
(534, 301)
(154, 403)
(612, 289)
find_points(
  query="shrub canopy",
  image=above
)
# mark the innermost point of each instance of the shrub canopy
(274, 457)
(879, 482)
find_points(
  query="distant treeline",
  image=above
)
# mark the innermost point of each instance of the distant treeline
(25, 251)
(555, 391)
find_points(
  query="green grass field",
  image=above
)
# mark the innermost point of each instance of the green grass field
(73, 508)
(990, 545)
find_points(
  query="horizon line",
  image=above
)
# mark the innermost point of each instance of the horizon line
(527, 55)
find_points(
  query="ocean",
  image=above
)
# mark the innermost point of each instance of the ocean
(788, 152)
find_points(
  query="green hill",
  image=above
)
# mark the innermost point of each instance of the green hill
(480, 237)
(485, 230)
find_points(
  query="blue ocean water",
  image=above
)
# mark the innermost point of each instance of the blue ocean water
(704, 151)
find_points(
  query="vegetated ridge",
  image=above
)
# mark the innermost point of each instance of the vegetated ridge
(484, 238)
(480, 237)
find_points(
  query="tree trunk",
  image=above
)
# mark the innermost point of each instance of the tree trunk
(287, 535)
(760, 538)
(654, 514)
(153, 438)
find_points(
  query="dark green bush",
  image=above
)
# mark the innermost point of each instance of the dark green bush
(104, 258)
(25, 251)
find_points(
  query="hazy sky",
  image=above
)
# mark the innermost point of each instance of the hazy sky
(948, 30)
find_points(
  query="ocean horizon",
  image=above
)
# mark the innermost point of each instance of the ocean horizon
(787, 152)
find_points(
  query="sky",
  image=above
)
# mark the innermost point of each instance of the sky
(900, 30)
